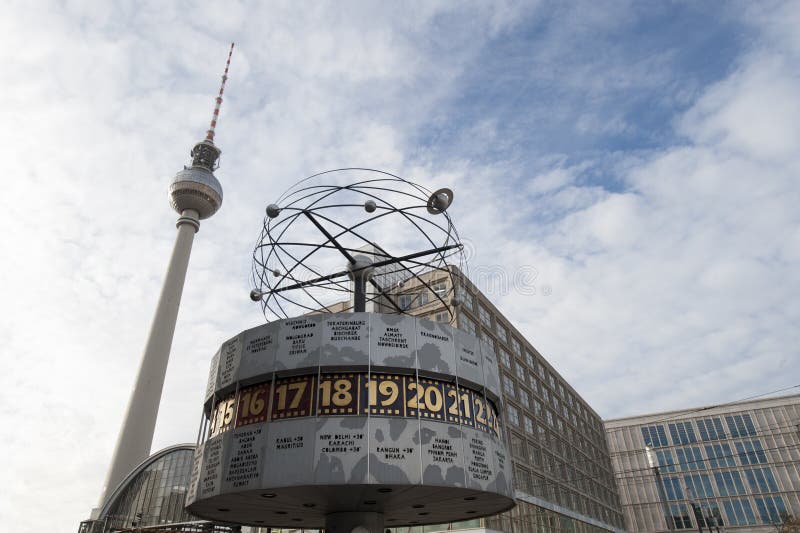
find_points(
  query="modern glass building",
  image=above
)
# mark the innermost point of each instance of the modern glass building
(152, 497)
(734, 467)
(562, 468)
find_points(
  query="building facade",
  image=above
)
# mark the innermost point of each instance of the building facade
(562, 468)
(734, 467)
(153, 498)
(152, 494)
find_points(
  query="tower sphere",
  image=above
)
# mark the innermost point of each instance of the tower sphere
(195, 188)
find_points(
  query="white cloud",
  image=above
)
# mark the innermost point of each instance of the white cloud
(101, 105)
(752, 112)
(676, 286)
(552, 180)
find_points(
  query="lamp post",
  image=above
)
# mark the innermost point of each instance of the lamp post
(713, 514)
(653, 461)
(712, 517)
(696, 509)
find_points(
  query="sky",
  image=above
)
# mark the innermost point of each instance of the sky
(625, 177)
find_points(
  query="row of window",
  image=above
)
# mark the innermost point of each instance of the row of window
(502, 333)
(439, 316)
(738, 511)
(581, 418)
(547, 409)
(559, 450)
(587, 480)
(521, 394)
(749, 452)
(555, 457)
(560, 495)
(423, 296)
(573, 442)
(588, 485)
(565, 447)
(760, 480)
(530, 518)
(562, 400)
(516, 347)
(710, 429)
(559, 406)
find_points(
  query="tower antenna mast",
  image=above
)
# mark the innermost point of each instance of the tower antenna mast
(195, 194)
(213, 126)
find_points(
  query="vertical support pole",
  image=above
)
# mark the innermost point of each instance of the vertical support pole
(667, 514)
(360, 274)
(359, 292)
(698, 516)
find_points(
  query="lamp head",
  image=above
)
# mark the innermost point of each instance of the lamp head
(651, 458)
(439, 201)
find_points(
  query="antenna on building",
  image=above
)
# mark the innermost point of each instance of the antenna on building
(213, 126)
(205, 153)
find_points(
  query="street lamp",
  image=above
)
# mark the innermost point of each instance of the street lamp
(712, 517)
(696, 509)
(653, 461)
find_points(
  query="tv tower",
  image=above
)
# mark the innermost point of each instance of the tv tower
(196, 195)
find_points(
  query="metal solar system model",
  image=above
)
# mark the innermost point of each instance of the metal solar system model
(348, 410)
(371, 228)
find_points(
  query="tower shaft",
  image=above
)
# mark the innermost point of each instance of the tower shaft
(136, 434)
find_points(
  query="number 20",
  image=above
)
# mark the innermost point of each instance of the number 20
(431, 395)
